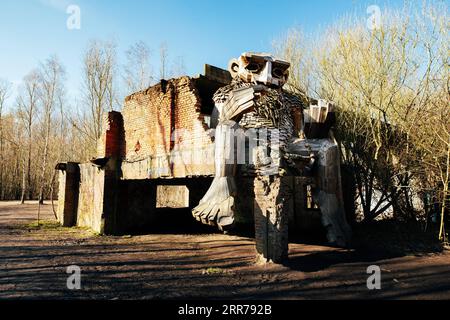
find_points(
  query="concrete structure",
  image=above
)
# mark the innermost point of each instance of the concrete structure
(159, 152)
(69, 182)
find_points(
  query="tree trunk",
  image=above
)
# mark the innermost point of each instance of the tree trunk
(1, 152)
(44, 163)
(24, 184)
(445, 195)
(42, 178)
(1, 159)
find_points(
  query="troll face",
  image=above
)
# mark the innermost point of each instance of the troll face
(260, 68)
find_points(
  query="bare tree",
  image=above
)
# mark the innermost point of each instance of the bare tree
(27, 103)
(98, 88)
(295, 47)
(178, 67)
(51, 90)
(164, 58)
(390, 85)
(5, 87)
(12, 137)
(138, 70)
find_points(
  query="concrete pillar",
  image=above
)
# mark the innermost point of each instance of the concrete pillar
(273, 202)
(111, 190)
(69, 184)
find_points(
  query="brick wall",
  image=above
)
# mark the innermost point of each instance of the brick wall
(111, 142)
(172, 196)
(150, 119)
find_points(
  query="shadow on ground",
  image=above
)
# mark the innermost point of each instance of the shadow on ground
(33, 264)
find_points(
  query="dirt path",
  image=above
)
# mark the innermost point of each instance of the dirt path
(169, 266)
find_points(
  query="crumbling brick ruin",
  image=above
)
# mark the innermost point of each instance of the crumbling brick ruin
(159, 152)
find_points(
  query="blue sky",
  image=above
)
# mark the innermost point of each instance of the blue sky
(201, 31)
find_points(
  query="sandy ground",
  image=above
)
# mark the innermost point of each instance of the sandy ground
(33, 264)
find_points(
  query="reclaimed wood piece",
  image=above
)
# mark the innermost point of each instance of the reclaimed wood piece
(217, 206)
(327, 193)
(272, 206)
(271, 110)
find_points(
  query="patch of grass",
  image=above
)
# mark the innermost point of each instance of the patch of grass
(93, 233)
(44, 224)
(49, 229)
(213, 271)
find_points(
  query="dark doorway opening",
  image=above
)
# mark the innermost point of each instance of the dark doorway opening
(161, 206)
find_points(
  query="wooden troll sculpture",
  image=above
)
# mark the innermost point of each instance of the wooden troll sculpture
(255, 100)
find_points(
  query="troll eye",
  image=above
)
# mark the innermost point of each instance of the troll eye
(277, 72)
(253, 67)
